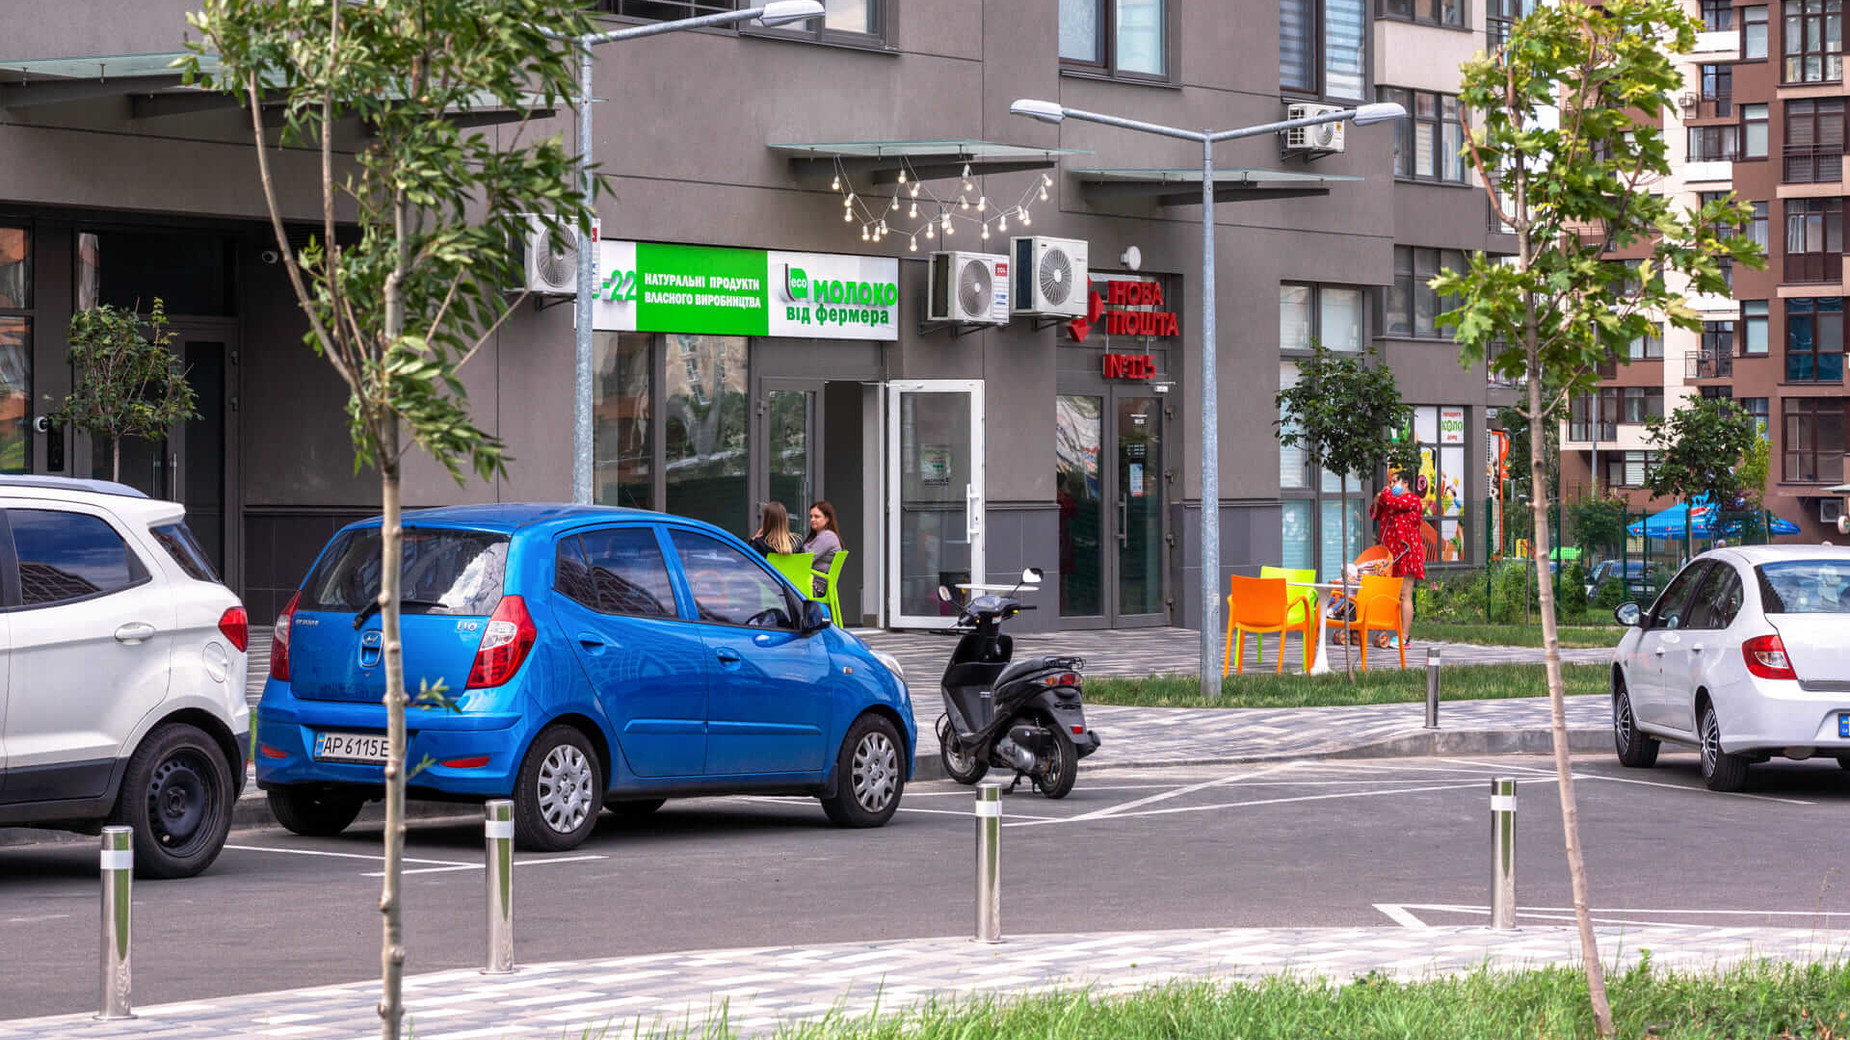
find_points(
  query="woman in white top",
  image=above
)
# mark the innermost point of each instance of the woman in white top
(824, 540)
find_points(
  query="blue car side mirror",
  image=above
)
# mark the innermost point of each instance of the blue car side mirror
(815, 616)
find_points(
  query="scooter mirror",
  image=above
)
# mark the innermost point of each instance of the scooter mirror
(944, 594)
(1031, 576)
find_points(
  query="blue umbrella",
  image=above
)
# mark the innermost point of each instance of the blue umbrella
(1669, 523)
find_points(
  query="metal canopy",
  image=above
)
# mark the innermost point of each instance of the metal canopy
(880, 162)
(1182, 187)
(154, 89)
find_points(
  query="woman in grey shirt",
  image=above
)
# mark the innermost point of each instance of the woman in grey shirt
(825, 541)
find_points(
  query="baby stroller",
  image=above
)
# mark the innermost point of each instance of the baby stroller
(1376, 559)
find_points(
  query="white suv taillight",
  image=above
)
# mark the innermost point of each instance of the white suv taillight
(504, 645)
(235, 625)
(279, 648)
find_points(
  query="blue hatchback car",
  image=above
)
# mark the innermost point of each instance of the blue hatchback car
(593, 659)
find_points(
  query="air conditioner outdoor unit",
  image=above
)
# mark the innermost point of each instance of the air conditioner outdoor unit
(552, 258)
(1324, 137)
(968, 289)
(1050, 276)
(1829, 510)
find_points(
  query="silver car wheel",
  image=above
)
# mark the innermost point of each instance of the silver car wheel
(1622, 720)
(875, 773)
(1711, 741)
(566, 782)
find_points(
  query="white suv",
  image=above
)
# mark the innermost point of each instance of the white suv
(122, 696)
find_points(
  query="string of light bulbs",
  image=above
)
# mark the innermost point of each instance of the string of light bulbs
(940, 214)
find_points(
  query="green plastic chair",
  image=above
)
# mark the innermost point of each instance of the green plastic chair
(1297, 601)
(833, 578)
(797, 567)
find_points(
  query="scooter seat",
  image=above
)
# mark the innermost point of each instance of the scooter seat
(1017, 669)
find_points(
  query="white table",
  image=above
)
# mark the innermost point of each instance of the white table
(1320, 661)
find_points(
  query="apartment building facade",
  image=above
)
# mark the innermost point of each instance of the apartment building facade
(844, 149)
(1761, 115)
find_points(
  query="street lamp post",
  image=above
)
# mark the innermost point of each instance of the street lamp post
(1362, 115)
(776, 12)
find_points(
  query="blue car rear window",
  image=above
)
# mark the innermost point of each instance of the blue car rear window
(444, 572)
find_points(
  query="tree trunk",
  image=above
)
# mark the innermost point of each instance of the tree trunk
(1551, 657)
(115, 459)
(391, 544)
(1342, 509)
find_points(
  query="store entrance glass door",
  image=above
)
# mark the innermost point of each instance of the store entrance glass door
(792, 438)
(935, 488)
(1111, 488)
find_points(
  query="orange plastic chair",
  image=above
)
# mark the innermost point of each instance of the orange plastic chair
(1377, 610)
(1259, 606)
(1376, 559)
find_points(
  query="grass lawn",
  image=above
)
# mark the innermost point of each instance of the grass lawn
(1486, 634)
(1380, 686)
(1760, 1001)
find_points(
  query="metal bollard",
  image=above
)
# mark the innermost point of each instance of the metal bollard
(989, 863)
(1503, 852)
(498, 841)
(1432, 687)
(118, 863)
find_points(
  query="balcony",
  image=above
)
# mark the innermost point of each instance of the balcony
(1708, 366)
(1710, 168)
(1707, 106)
(1803, 268)
(1720, 43)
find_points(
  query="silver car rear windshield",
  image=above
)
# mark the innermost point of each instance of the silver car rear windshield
(444, 572)
(1804, 587)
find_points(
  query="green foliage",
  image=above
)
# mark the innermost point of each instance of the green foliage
(1756, 466)
(125, 383)
(1598, 524)
(1384, 683)
(1610, 594)
(1340, 412)
(1555, 129)
(398, 306)
(1701, 448)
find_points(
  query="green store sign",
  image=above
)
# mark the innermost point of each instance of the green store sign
(707, 290)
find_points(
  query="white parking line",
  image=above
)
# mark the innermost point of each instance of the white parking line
(1122, 813)
(1693, 790)
(478, 866)
(1121, 809)
(343, 855)
(1402, 913)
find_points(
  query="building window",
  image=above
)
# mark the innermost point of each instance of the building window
(1753, 327)
(1714, 143)
(1595, 416)
(665, 10)
(1410, 305)
(1436, 12)
(1753, 33)
(1756, 227)
(1814, 439)
(1645, 348)
(1429, 145)
(1717, 92)
(1717, 15)
(1756, 407)
(1321, 47)
(1813, 41)
(1717, 393)
(1499, 15)
(1628, 468)
(1326, 314)
(1641, 403)
(1814, 140)
(1815, 340)
(1119, 37)
(15, 348)
(1814, 240)
(1753, 131)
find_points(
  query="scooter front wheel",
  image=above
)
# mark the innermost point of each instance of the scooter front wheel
(960, 765)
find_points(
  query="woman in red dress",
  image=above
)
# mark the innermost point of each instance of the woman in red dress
(1397, 512)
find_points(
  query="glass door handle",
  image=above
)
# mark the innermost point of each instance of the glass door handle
(1124, 520)
(973, 512)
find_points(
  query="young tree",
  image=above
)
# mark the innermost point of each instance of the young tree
(401, 296)
(1703, 449)
(124, 383)
(1566, 157)
(1341, 413)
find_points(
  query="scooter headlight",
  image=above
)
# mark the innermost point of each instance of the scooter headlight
(892, 663)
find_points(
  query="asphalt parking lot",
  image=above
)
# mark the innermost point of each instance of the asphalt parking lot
(1390, 843)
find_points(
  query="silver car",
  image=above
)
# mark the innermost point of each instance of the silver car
(1746, 655)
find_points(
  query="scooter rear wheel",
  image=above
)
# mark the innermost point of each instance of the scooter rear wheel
(1056, 778)
(959, 765)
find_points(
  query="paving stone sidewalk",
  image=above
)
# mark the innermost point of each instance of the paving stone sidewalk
(756, 990)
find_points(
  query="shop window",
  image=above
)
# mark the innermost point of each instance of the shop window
(1753, 327)
(1814, 440)
(1117, 37)
(1322, 47)
(1428, 145)
(703, 423)
(623, 431)
(1813, 42)
(1814, 141)
(15, 348)
(1326, 314)
(1440, 432)
(1431, 12)
(1410, 306)
(1815, 340)
(1753, 33)
(1079, 433)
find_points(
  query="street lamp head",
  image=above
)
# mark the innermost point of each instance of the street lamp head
(1045, 111)
(783, 12)
(1383, 112)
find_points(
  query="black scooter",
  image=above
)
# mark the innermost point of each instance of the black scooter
(1027, 716)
